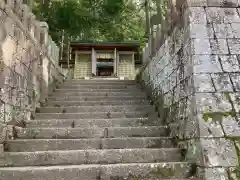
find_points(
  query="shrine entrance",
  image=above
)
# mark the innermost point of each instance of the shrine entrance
(105, 64)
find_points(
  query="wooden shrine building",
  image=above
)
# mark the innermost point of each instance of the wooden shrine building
(105, 59)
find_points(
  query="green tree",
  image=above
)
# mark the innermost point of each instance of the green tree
(95, 20)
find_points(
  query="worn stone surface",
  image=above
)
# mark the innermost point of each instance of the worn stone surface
(87, 123)
(103, 102)
(28, 64)
(107, 115)
(115, 171)
(32, 145)
(77, 133)
(74, 109)
(200, 82)
(121, 141)
(107, 156)
(29, 72)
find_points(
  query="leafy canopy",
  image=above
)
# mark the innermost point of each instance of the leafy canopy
(93, 20)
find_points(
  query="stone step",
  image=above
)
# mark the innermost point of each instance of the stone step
(74, 109)
(78, 157)
(143, 171)
(64, 90)
(103, 94)
(99, 81)
(96, 103)
(77, 133)
(97, 115)
(87, 123)
(103, 78)
(32, 145)
(97, 98)
(100, 86)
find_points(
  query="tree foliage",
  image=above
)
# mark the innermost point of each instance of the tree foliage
(93, 20)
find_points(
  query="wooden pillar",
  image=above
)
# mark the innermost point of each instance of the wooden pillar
(75, 64)
(133, 66)
(115, 64)
(94, 61)
(117, 57)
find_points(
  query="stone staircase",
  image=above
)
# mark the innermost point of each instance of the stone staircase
(94, 130)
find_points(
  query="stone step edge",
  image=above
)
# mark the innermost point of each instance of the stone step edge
(98, 101)
(101, 84)
(87, 119)
(137, 97)
(31, 145)
(85, 139)
(96, 171)
(99, 93)
(79, 128)
(100, 90)
(100, 80)
(99, 132)
(91, 150)
(102, 112)
(81, 157)
(30, 168)
(116, 122)
(103, 106)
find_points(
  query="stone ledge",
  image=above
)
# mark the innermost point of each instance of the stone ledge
(214, 3)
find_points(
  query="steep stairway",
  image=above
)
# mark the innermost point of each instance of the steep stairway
(94, 130)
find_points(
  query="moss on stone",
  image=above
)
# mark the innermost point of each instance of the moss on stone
(163, 172)
(132, 179)
(236, 170)
(227, 95)
(218, 115)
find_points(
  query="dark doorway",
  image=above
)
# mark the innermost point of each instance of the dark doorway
(104, 71)
(105, 67)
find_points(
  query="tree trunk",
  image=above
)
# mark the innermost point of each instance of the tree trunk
(159, 10)
(147, 18)
(62, 46)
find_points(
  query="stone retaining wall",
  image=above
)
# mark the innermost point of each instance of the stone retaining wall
(28, 65)
(194, 81)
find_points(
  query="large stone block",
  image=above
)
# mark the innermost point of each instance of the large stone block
(197, 15)
(210, 126)
(219, 46)
(208, 75)
(224, 30)
(231, 126)
(215, 173)
(206, 64)
(200, 46)
(212, 102)
(20, 62)
(219, 152)
(234, 45)
(222, 82)
(203, 83)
